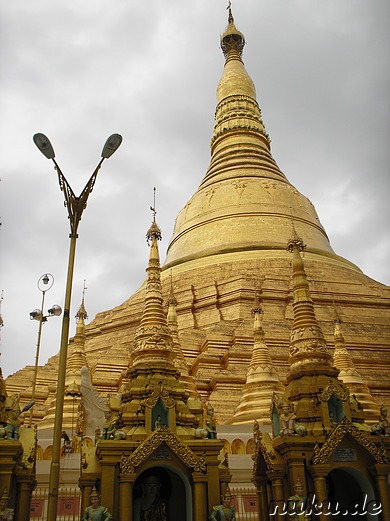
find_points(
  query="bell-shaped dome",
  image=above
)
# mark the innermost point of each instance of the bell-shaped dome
(244, 202)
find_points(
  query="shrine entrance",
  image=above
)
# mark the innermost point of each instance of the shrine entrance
(173, 493)
(350, 491)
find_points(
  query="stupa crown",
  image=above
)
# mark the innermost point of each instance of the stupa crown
(232, 40)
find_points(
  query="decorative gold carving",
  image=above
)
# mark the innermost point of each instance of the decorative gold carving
(339, 391)
(163, 394)
(322, 454)
(239, 186)
(261, 448)
(151, 444)
(210, 194)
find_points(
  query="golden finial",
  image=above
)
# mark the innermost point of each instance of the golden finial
(229, 7)
(171, 297)
(154, 230)
(295, 239)
(232, 40)
(82, 313)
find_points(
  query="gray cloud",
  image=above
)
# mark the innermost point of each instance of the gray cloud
(150, 72)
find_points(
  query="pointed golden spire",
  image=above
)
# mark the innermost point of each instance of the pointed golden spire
(187, 380)
(153, 340)
(78, 358)
(262, 379)
(307, 343)
(350, 376)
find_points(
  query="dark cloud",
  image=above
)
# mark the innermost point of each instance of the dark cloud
(150, 72)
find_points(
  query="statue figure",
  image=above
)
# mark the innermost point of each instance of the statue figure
(210, 422)
(158, 423)
(297, 504)
(289, 425)
(110, 430)
(225, 511)
(6, 514)
(81, 420)
(383, 426)
(66, 447)
(150, 506)
(13, 417)
(96, 512)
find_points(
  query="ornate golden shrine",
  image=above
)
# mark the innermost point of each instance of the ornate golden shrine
(230, 236)
(153, 428)
(322, 457)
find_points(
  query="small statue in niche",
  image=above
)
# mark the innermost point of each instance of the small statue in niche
(158, 423)
(6, 513)
(383, 426)
(150, 506)
(225, 511)
(332, 419)
(96, 511)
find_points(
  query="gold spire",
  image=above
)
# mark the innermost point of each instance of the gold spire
(307, 343)
(153, 340)
(78, 358)
(350, 376)
(262, 380)
(187, 380)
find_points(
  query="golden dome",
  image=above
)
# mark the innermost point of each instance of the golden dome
(244, 202)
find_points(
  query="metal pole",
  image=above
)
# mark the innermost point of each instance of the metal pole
(56, 455)
(36, 358)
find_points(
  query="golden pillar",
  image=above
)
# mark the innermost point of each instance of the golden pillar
(278, 504)
(22, 511)
(86, 489)
(319, 474)
(126, 496)
(262, 497)
(199, 500)
(108, 484)
(380, 473)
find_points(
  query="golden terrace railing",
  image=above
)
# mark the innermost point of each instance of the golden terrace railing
(245, 503)
(68, 506)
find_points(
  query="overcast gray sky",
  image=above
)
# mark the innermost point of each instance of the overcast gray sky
(80, 71)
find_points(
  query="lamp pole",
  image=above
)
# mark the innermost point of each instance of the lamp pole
(75, 206)
(44, 284)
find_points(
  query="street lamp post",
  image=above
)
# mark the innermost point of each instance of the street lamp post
(44, 284)
(75, 206)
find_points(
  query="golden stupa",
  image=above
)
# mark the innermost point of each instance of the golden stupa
(229, 240)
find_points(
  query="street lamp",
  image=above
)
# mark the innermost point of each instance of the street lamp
(44, 284)
(75, 206)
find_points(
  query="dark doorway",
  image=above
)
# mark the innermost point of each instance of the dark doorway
(171, 496)
(350, 496)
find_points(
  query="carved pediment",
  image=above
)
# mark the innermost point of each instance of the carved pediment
(345, 426)
(263, 449)
(339, 390)
(163, 436)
